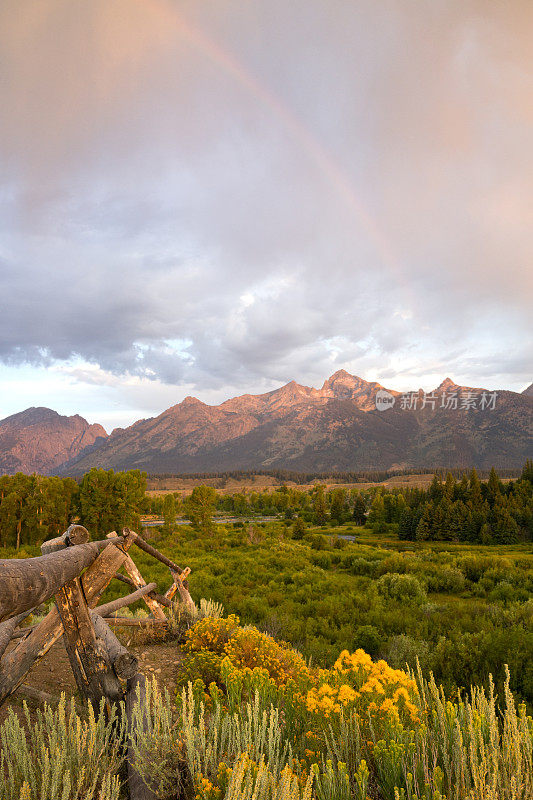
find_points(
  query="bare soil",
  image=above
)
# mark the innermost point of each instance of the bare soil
(53, 673)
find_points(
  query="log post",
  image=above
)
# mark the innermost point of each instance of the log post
(94, 675)
(37, 695)
(133, 572)
(152, 551)
(28, 582)
(173, 588)
(138, 580)
(17, 663)
(131, 622)
(162, 599)
(88, 658)
(183, 589)
(115, 620)
(7, 630)
(124, 579)
(123, 662)
(75, 534)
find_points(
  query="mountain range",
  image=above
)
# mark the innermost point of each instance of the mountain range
(338, 427)
(41, 440)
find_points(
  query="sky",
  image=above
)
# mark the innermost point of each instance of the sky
(214, 197)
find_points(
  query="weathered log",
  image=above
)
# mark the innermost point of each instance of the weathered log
(124, 663)
(115, 619)
(75, 534)
(124, 579)
(135, 575)
(133, 622)
(138, 580)
(92, 670)
(109, 608)
(36, 644)
(183, 590)
(162, 599)
(88, 656)
(136, 693)
(171, 591)
(7, 629)
(22, 632)
(173, 588)
(28, 582)
(140, 542)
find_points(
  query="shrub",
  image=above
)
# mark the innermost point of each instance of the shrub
(367, 638)
(371, 688)
(201, 665)
(403, 588)
(211, 634)
(298, 528)
(318, 541)
(403, 650)
(474, 567)
(249, 648)
(210, 641)
(322, 560)
(359, 566)
(446, 579)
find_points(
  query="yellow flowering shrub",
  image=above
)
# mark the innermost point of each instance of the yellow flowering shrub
(207, 790)
(370, 687)
(211, 634)
(202, 664)
(211, 640)
(250, 648)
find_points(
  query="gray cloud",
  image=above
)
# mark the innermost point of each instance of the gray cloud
(222, 194)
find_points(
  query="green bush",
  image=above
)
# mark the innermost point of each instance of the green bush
(447, 579)
(203, 665)
(403, 588)
(367, 638)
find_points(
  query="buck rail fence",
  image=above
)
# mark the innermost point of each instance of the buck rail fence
(75, 572)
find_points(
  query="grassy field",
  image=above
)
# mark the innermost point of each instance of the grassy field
(258, 483)
(259, 721)
(462, 611)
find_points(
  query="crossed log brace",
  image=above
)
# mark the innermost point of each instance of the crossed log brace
(99, 661)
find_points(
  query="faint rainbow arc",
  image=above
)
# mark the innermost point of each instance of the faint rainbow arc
(317, 152)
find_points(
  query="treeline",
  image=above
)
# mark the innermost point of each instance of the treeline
(471, 511)
(450, 509)
(285, 475)
(34, 508)
(316, 505)
(302, 478)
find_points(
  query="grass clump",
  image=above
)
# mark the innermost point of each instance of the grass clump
(61, 755)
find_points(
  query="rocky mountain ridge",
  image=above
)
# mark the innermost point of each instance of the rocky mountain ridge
(41, 440)
(344, 425)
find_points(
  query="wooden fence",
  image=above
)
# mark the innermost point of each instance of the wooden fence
(75, 572)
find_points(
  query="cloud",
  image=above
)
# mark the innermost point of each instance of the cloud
(225, 196)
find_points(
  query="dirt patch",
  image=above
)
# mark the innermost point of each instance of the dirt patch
(53, 673)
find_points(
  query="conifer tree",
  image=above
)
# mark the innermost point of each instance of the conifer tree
(169, 512)
(298, 528)
(359, 509)
(319, 506)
